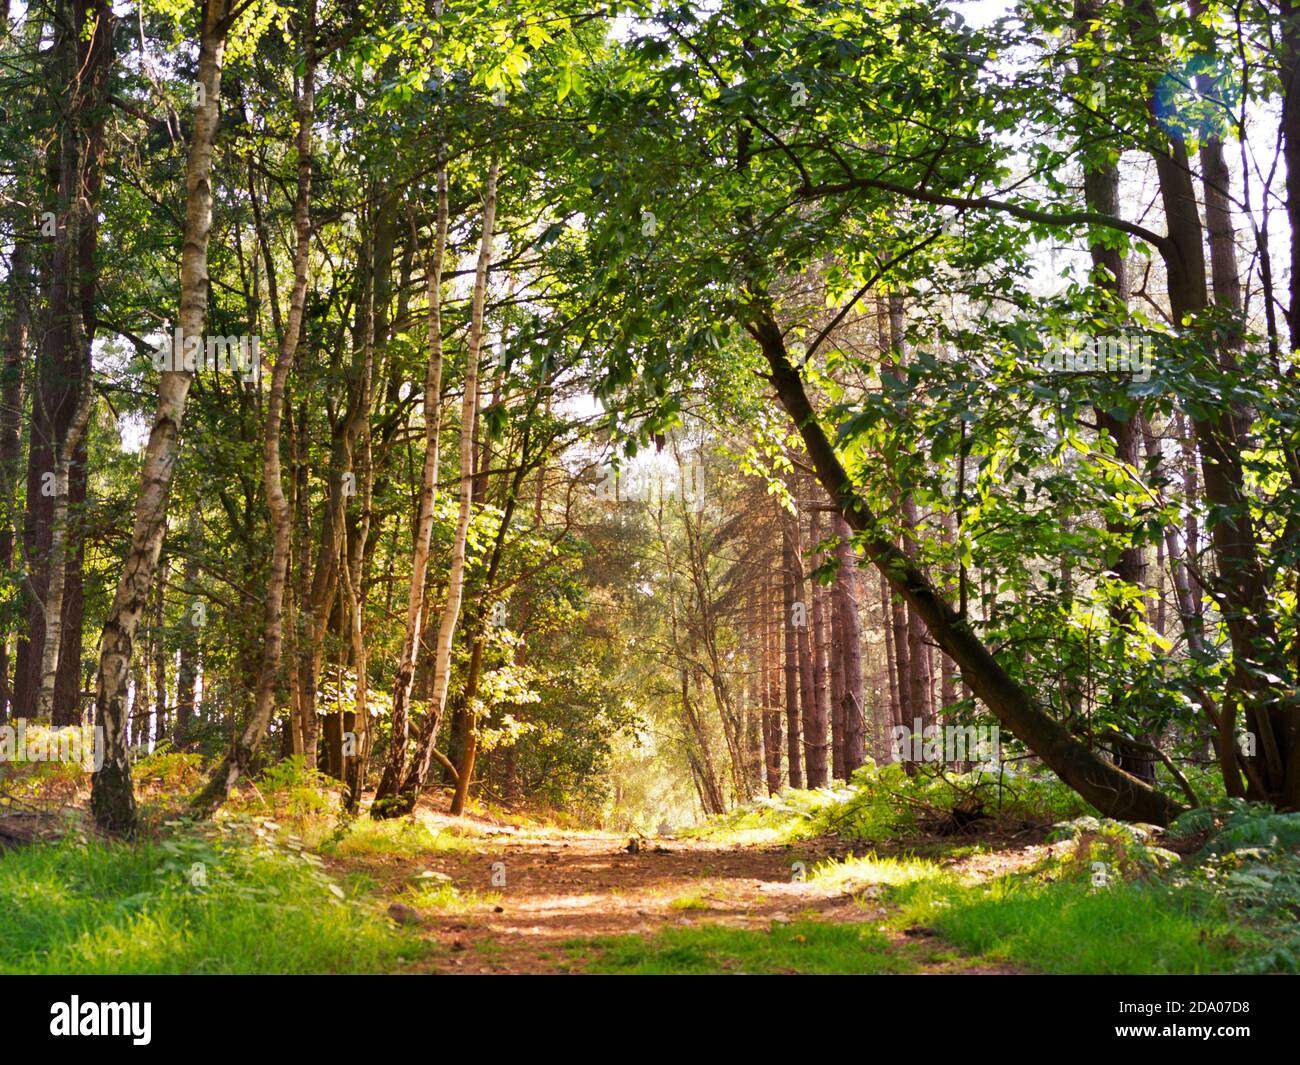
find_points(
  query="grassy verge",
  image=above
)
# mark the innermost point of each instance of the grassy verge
(798, 947)
(1067, 926)
(186, 904)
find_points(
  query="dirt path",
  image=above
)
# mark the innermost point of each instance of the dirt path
(522, 893)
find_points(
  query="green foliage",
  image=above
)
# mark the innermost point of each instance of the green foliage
(405, 837)
(288, 788)
(1102, 848)
(1250, 863)
(885, 802)
(1236, 825)
(169, 771)
(435, 891)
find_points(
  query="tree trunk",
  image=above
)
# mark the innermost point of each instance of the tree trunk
(812, 718)
(187, 668)
(1243, 586)
(1101, 194)
(1289, 63)
(62, 404)
(895, 715)
(819, 646)
(846, 587)
(112, 797)
(772, 686)
(415, 604)
(1110, 789)
(158, 645)
(238, 761)
(456, 580)
(794, 748)
(17, 331)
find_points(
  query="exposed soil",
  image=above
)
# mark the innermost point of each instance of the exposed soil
(565, 885)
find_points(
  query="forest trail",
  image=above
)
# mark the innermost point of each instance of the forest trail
(561, 886)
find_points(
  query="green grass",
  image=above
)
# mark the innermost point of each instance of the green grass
(689, 902)
(871, 869)
(442, 896)
(136, 908)
(404, 836)
(1069, 927)
(798, 947)
(1042, 921)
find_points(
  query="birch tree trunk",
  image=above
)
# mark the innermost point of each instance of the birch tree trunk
(415, 779)
(112, 796)
(58, 557)
(237, 761)
(396, 765)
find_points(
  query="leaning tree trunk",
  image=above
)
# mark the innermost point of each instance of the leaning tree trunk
(112, 797)
(1107, 787)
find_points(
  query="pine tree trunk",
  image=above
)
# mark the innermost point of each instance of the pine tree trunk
(17, 331)
(794, 746)
(846, 586)
(158, 647)
(812, 718)
(63, 402)
(772, 684)
(895, 715)
(819, 644)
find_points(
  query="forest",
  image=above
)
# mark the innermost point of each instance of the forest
(629, 486)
